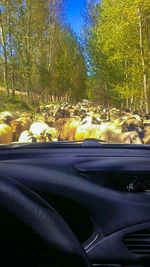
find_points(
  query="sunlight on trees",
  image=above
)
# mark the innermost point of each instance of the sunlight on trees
(39, 54)
(118, 46)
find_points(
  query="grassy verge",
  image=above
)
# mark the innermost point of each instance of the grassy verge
(14, 103)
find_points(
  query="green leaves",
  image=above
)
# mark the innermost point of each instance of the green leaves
(42, 55)
(114, 46)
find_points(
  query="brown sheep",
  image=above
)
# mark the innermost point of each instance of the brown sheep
(124, 138)
(59, 126)
(130, 138)
(26, 122)
(69, 129)
(20, 125)
(146, 138)
(17, 129)
(6, 134)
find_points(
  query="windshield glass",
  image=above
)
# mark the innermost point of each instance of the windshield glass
(73, 70)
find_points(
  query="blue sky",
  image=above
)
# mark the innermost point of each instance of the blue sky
(74, 16)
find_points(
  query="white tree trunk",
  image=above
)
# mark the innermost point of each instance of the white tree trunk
(143, 63)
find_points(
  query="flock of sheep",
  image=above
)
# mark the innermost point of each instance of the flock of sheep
(66, 122)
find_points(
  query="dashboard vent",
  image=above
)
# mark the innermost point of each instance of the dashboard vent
(138, 242)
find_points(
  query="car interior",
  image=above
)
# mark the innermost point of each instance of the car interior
(75, 133)
(82, 204)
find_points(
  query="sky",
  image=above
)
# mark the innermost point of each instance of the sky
(74, 16)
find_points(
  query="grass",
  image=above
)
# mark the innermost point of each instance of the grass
(14, 103)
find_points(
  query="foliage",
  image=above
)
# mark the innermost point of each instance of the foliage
(118, 48)
(13, 103)
(39, 54)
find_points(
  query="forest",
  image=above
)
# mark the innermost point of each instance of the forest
(118, 48)
(42, 57)
(39, 53)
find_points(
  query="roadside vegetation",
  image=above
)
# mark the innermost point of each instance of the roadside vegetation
(14, 103)
(42, 59)
(117, 42)
(39, 53)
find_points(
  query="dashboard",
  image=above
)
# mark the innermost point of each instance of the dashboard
(102, 193)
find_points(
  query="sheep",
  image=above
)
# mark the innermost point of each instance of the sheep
(146, 122)
(27, 137)
(77, 121)
(6, 134)
(69, 129)
(37, 128)
(7, 117)
(39, 118)
(90, 130)
(111, 136)
(37, 110)
(130, 138)
(148, 116)
(62, 113)
(49, 135)
(26, 122)
(16, 127)
(4, 119)
(114, 114)
(87, 120)
(43, 132)
(11, 114)
(59, 126)
(84, 132)
(146, 138)
(20, 125)
(96, 119)
(131, 123)
(110, 125)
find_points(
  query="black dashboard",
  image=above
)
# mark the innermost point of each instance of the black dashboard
(102, 192)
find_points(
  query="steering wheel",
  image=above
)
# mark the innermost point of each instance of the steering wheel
(44, 220)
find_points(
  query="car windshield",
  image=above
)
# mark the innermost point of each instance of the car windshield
(75, 70)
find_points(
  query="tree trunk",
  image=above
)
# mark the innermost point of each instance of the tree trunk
(127, 98)
(13, 80)
(6, 76)
(127, 102)
(143, 63)
(11, 54)
(5, 55)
